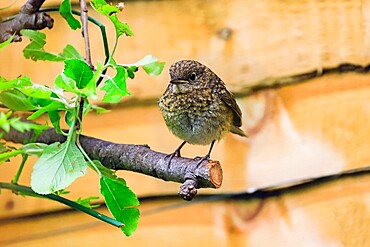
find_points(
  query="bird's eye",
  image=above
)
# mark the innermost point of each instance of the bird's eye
(193, 76)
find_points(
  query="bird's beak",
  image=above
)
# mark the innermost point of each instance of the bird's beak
(178, 81)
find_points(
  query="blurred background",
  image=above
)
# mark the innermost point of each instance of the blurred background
(299, 70)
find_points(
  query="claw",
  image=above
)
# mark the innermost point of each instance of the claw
(207, 157)
(201, 159)
(174, 154)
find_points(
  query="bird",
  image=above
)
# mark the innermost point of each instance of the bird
(197, 107)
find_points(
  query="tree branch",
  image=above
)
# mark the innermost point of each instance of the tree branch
(27, 18)
(139, 158)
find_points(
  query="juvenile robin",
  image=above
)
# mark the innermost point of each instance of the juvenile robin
(197, 107)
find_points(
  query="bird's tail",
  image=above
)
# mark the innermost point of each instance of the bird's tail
(238, 131)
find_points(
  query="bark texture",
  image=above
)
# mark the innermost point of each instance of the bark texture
(139, 158)
(28, 17)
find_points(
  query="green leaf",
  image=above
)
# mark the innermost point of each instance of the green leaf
(66, 83)
(99, 109)
(70, 117)
(6, 42)
(79, 71)
(65, 11)
(148, 59)
(86, 202)
(154, 69)
(4, 157)
(22, 126)
(111, 12)
(19, 82)
(120, 27)
(3, 147)
(53, 106)
(58, 166)
(90, 89)
(34, 149)
(121, 202)
(36, 91)
(15, 100)
(116, 87)
(131, 71)
(70, 52)
(35, 50)
(105, 8)
(149, 64)
(54, 117)
(62, 192)
(4, 122)
(105, 171)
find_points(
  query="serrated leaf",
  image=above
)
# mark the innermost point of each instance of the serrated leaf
(154, 69)
(57, 167)
(120, 27)
(102, 7)
(35, 50)
(65, 11)
(15, 100)
(79, 71)
(116, 87)
(111, 12)
(121, 202)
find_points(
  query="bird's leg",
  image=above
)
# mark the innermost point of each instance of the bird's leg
(208, 155)
(176, 153)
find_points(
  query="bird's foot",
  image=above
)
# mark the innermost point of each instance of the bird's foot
(201, 159)
(171, 155)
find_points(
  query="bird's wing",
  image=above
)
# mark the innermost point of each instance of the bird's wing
(229, 100)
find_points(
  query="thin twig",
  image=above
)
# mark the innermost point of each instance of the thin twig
(85, 32)
(28, 191)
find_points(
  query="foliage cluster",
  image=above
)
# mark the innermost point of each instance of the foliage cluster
(59, 164)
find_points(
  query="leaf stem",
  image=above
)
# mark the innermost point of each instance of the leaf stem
(20, 169)
(28, 191)
(92, 165)
(7, 155)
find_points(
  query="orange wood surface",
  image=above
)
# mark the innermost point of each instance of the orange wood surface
(306, 130)
(330, 214)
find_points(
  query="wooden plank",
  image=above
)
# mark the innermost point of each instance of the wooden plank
(306, 130)
(242, 41)
(330, 214)
(300, 131)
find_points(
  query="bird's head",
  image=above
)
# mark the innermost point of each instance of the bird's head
(189, 75)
